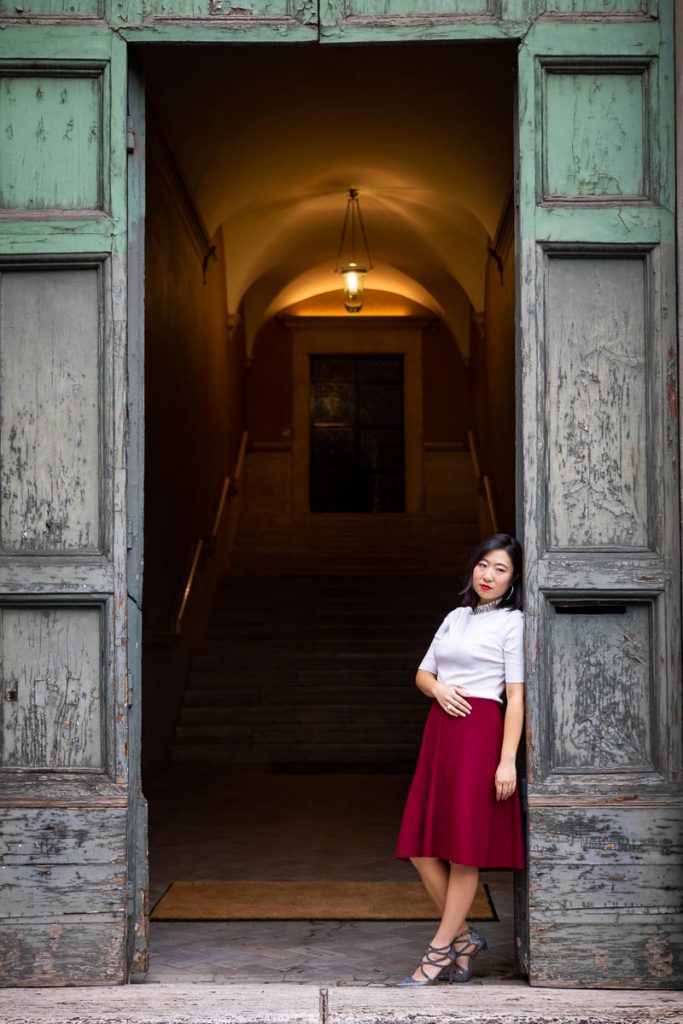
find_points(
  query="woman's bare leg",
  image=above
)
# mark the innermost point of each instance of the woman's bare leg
(461, 888)
(434, 874)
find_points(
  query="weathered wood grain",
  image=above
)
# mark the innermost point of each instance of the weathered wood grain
(581, 571)
(242, 19)
(36, 788)
(62, 952)
(271, 9)
(631, 950)
(590, 836)
(599, 515)
(52, 141)
(602, 703)
(52, 890)
(137, 938)
(51, 9)
(601, 223)
(63, 586)
(41, 576)
(612, 874)
(50, 435)
(610, 888)
(604, 8)
(595, 133)
(47, 837)
(597, 408)
(419, 8)
(52, 687)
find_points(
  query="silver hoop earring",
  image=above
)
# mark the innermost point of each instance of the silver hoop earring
(510, 592)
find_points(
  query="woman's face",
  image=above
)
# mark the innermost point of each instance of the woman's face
(492, 575)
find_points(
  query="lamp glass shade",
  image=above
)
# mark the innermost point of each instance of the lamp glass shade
(353, 276)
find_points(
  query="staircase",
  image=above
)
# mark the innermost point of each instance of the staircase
(352, 544)
(315, 669)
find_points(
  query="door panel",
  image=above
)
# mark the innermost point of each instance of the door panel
(52, 706)
(212, 21)
(73, 9)
(589, 152)
(353, 21)
(604, 728)
(64, 754)
(597, 347)
(599, 448)
(51, 365)
(52, 149)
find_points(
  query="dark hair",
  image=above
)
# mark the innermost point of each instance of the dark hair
(498, 542)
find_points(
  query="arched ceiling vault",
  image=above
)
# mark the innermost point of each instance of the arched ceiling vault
(268, 139)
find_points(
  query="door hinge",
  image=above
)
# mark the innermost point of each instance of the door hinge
(130, 694)
(130, 134)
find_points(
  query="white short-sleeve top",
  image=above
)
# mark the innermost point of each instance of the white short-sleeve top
(478, 653)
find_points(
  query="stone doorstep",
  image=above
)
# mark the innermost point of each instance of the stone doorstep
(504, 1003)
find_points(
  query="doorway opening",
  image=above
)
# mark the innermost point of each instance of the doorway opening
(317, 478)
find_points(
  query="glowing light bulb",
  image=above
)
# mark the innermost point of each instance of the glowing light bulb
(353, 277)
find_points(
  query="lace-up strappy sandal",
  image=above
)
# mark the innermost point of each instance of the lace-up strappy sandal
(468, 943)
(434, 957)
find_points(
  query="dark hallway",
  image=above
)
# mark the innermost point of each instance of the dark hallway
(281, 721)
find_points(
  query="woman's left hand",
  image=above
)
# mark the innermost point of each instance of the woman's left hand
(506, 780)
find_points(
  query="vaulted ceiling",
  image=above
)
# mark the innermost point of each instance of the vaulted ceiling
(269, 138)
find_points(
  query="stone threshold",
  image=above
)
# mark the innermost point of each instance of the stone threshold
(499, 1003)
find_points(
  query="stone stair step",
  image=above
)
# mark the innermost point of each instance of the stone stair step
(311, 654)
(301, 676)
(270, 730)
(377, 714)
(360, 659)
(303, 696)
(264, 754)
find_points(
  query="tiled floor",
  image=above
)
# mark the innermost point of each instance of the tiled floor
(212, 823)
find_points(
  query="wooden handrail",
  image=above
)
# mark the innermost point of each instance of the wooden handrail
(473, 453)
(239, 465)
(220, 509)
(229, 488)
(489, 501)
(198, 548)
(202, 546)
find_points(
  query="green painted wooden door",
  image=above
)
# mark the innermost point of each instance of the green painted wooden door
(597, 465)
(63, 576)
(600, 495)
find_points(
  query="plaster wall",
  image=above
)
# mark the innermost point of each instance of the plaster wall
(193, 380)
(269, 387)
(445, 388)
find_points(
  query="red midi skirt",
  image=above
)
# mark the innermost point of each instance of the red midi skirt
(451, 811)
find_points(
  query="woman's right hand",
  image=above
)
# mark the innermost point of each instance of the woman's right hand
(451, 700)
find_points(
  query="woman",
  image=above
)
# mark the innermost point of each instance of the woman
(462, 811)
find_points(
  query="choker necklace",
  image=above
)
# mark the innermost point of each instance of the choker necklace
(491, 606)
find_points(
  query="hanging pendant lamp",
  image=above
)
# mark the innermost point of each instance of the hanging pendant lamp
(351, 265)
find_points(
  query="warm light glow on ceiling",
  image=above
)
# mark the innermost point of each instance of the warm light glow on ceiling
(386, 281)
(377, 303)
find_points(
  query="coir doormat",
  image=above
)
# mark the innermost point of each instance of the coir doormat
(302, 901)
